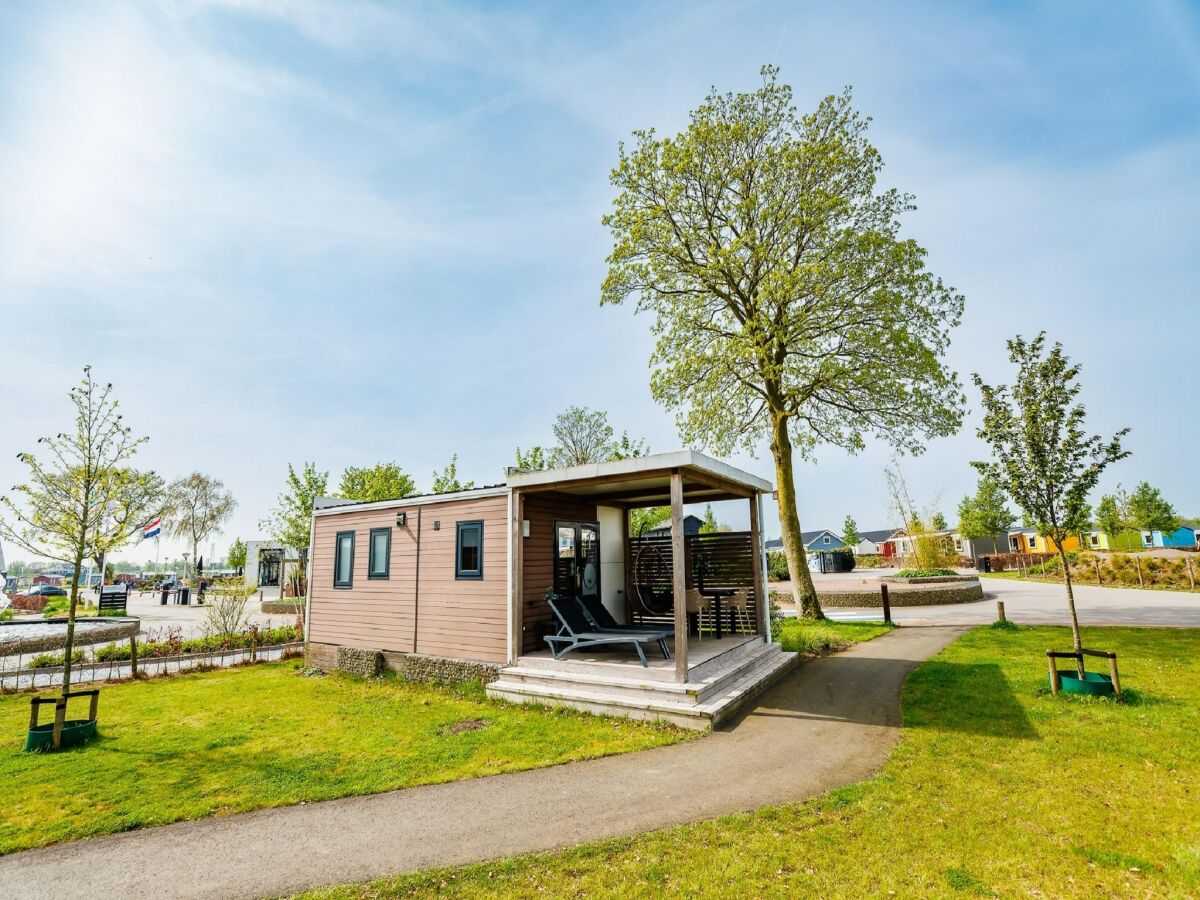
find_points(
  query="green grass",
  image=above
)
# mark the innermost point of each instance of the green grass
(269, 735)
(995, 789)
(816, 638)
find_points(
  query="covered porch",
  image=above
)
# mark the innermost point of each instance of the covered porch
(571, 536)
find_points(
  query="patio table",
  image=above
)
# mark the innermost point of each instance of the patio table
(717, 595)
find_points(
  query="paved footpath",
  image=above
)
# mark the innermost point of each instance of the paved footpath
(1043, 603)
(831, 722)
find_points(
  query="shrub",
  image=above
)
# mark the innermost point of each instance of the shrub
(871, 561)
(925, 573)
(26, 603)
(6, 614)
(46, 660)
(777, 567)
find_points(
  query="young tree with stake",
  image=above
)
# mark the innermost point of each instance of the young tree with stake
(787, 306)
(1041, 456)
(84, 499)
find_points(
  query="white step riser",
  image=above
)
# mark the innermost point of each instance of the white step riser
(713, 666)
(698, 716)
(670, 692)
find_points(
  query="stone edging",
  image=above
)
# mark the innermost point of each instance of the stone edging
(930, 595)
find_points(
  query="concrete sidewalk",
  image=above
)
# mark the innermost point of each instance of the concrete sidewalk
(830, 723)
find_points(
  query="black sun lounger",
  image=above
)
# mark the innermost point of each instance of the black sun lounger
(576, 632)
(603, 620)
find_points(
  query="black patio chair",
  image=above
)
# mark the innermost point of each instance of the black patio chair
(577, 632)
(602, 619)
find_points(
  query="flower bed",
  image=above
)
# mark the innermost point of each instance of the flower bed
(963, 589)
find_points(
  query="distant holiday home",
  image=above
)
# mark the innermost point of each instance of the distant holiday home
(470, 576)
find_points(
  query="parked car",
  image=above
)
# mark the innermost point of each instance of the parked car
(47, 590)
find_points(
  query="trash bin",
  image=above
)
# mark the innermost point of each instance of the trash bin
(184, 598)
(983, 564)
(163, 598)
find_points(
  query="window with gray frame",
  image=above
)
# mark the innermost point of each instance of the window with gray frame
(343, 560)
(378, 561)
(468, 555)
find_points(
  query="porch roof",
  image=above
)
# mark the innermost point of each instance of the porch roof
(646, 480)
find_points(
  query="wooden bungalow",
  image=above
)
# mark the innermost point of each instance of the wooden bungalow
(464, 578)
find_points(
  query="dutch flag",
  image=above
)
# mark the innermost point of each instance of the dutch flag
(152, 529)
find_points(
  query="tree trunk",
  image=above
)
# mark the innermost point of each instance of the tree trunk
(69, 650)
(803, 592)
(1062, 555)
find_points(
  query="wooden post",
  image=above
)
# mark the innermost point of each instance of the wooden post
(1099, 576)
(679, 577)
(518, 576)
(133, 656)
(60, 717)
(1191, 574)
(1055, 684)
(1137, 562)
(762, 606)
(1112, 671)
(887, 605)
(1000, 611)
(94, 707)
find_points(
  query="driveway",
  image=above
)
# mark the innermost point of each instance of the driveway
(831, 722)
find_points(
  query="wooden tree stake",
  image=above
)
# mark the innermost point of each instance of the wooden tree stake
(1137, 562)
(1000, 611)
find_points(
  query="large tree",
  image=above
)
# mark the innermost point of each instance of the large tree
(787, 306)
(447, 481)
(1149, 510)
(584, 436)
(85, 499)
(986, 513)
(236, 558)
(290, 522)
(382, 481)
(198, 505)
(850, 532)
(1042, 456)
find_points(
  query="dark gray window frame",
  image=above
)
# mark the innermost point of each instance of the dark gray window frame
(459, 528)
(337, 556)
(372, 575)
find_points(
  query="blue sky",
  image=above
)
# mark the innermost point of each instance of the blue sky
(352, 232)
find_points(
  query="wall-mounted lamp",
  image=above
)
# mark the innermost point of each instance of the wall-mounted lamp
(525, 528)
(437, 524)
(401, 519)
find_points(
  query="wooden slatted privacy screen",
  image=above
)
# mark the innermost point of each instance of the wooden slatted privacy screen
(721, 560)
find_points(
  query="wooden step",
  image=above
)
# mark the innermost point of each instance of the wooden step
(689, 708)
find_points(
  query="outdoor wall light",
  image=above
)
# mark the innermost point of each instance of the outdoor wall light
(437, 524)
(401, 519)
(525, 528)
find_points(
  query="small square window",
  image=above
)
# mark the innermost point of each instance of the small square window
(379, 563)
(343, 560)
(826, 539)
(468, 556)
(1032, 541)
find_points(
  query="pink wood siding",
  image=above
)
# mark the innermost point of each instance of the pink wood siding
(442, 616)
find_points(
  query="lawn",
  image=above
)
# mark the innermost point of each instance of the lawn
(814, 638)
(996, 789)
(270, 735)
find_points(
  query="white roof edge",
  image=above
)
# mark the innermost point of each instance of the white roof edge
(420, 500)
(636, 464)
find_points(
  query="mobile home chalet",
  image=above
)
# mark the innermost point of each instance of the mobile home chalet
(475, 581)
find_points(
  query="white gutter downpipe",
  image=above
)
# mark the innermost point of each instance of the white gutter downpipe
(761, 550)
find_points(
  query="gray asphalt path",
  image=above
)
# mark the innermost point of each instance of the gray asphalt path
(1041, 603)
(831, 722)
